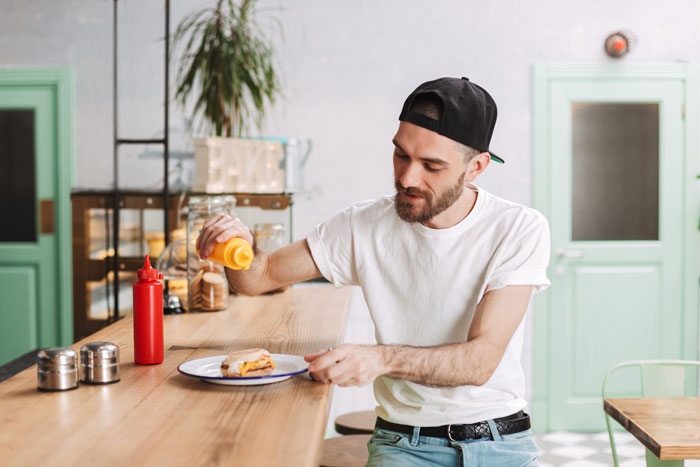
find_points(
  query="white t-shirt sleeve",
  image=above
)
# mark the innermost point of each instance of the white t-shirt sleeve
(524, 257)
(331, 244)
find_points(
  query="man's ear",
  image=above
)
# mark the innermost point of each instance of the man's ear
(477, 165)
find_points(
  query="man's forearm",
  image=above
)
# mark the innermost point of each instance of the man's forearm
(252, 280)
(469, 363)
(288, 265)
(465, 364)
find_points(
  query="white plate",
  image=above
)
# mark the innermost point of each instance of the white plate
(209, 370)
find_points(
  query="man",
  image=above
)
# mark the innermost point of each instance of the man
(447, 270)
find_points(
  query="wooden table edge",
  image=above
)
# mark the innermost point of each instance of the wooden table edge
(670, 452)
(611, 409)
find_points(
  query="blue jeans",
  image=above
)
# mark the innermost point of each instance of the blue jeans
(393, 449)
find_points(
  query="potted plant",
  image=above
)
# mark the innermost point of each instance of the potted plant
(227, 64)
(227, 67)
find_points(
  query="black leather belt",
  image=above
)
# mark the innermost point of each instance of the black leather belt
(506, 425)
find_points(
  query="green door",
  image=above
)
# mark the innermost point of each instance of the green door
(614, 184)
(35, 167)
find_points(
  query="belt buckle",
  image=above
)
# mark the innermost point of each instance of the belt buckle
(449, 433)
(451, 438)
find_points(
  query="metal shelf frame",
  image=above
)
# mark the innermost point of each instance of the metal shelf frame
(115, 195)
(114, 314)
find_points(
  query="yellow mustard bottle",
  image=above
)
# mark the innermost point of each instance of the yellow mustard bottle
(234, 254)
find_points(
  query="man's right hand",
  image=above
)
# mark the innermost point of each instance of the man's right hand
(290, 264)
(220, 229)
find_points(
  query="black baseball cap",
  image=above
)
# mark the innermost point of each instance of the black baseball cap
(468, 117)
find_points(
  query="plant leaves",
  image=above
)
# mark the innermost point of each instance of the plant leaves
(227, 67)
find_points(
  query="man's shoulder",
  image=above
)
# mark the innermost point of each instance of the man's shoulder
(509, 212)
(371, 208)
(363, 214)
(374, 203)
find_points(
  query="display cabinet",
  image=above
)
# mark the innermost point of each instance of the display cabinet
(141, 232)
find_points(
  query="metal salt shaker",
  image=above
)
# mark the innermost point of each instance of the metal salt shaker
(57, 369)
(99, 363)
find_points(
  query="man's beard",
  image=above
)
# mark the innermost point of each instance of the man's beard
(432, 207)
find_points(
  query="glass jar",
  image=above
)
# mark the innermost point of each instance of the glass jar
(206, 281)
(270, 237)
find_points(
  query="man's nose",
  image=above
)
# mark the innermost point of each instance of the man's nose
(410, 177)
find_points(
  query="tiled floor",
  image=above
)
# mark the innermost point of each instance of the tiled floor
(591, 450)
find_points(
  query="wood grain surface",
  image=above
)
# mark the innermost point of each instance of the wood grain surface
(156, 416)
(668, 426)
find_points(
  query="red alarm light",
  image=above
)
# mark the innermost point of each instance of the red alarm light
(618, 44)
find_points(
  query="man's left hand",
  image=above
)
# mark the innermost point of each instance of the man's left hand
(347, 365)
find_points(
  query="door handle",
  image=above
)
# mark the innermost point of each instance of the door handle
(562, 253)
(46, 213)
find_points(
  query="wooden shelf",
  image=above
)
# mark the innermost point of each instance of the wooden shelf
(140, 199)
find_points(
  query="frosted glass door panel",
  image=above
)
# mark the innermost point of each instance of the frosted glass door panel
(615, 171)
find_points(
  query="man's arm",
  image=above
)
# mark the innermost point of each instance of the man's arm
(469, 363)
(288, 265)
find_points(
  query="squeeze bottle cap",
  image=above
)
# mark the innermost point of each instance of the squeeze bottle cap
(147, 272)
(243, 256)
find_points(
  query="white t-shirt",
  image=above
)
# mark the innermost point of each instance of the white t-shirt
(422, 287)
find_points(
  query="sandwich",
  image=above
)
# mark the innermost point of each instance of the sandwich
(248, 362)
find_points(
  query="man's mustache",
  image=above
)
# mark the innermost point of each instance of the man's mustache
(413, 191)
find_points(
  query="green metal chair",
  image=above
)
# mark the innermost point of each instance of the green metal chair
(659, 378)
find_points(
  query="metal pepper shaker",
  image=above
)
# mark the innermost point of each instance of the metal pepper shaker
(57, 369)
(99, 363)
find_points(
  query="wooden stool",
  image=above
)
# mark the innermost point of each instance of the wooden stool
(345, 451)
(356, 423)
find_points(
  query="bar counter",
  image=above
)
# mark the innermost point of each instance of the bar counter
(157, 416)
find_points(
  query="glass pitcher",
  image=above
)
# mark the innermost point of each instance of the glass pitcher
(296, 153)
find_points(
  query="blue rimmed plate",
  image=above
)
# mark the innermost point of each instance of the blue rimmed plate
(209, 369)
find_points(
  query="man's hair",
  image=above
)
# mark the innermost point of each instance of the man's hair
(431, 106)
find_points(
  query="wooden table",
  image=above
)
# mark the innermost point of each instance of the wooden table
(668, 426)
(156, 416)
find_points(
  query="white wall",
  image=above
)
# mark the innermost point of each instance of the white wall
(347, 66)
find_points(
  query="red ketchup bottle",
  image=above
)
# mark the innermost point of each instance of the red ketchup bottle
(148, 316)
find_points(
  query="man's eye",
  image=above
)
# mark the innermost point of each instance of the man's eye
(431, 169)
(401, 156)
